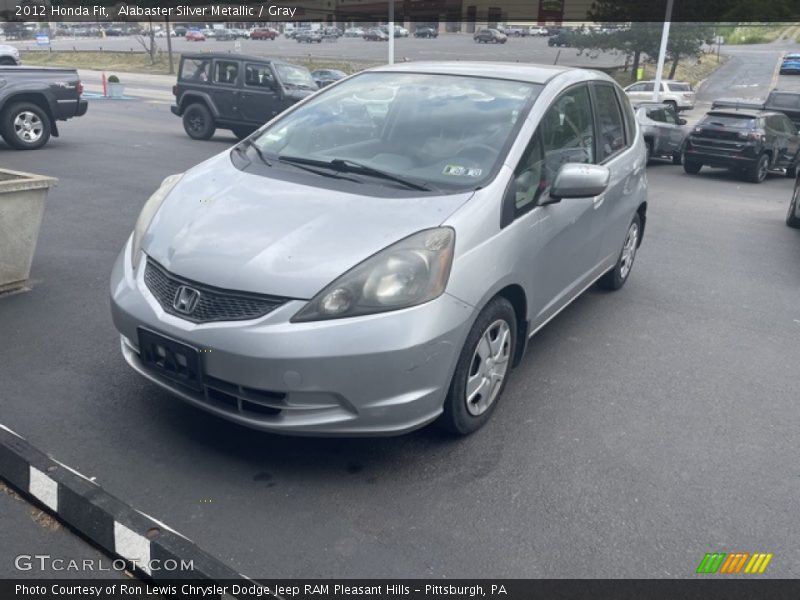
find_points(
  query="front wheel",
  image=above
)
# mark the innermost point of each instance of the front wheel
(25, 126)
(198, 122)
(482, 369)
(616, 277)
(691, 167)
(792, 217)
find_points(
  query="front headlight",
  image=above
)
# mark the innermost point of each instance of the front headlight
(409, 272)
(149, 210)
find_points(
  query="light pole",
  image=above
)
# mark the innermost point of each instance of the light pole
(391, 32)
(662, 52)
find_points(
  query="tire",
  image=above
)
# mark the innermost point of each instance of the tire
(758, 171)
(676, 158)
(25, 126)
(198, 122)
(242, 132)
(691, 167)
(493, 336)
(6, 60)
(792, 220)
(616, 277)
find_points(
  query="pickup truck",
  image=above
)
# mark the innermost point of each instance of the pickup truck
(779, 101)
(33, 99)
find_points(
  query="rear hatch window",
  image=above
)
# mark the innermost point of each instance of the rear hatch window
(680, 87)
(725, 126)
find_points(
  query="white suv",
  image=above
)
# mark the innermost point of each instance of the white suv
(677, 93)
(9, 55)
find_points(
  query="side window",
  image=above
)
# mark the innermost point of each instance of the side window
(609, 122)
(638, 87)
(565, 135)
(671, 116)
(774, 124)
(258, 76)
(657, 114)
(648, 87)
(628, 115)
(788, 126)
(226, 72)
(194, 69)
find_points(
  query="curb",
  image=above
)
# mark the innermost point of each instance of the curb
(111, 524)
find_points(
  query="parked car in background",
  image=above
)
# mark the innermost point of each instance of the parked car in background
(426, 32)
(537, 31)
(490, 36)
(752, 142)
(263, 34)
(235, 91)
(308, 36)
(331, 31)
(179, 31)
(793, 215)
(562, 39)
(790, 64)
(516, 31)
(193, 35)
(784, 101)
(33, 99)
(9, 55)
(376, 35)
(354, 32)
(663, 130)
(679, 94)
(324, 77)
(407, 218)
(225, 35)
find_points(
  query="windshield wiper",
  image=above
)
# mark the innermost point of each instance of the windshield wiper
(308, 164)
(350, 166)
(357, 167)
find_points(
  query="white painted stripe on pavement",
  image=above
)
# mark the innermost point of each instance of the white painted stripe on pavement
(131, 545)
(167, 527)
(71, 470)
(43, 488)
(11, 431)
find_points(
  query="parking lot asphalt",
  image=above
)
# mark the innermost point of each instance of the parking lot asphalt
(447, 47)
(643, 429)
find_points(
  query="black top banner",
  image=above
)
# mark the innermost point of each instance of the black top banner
(468, 11)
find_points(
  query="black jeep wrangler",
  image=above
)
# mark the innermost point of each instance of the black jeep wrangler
(235, 91)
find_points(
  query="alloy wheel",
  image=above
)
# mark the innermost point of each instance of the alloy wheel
(629, 250)
(488, 367)
(28, 126)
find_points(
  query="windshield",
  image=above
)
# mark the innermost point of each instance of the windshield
(444, 131)
(295, 77)
(727, 120)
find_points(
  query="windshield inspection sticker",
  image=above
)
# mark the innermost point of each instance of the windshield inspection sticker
(461, 171)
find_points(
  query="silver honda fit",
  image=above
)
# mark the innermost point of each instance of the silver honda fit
(376, 257)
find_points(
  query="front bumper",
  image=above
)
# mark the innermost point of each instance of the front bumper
(176, 110)
(383, 374)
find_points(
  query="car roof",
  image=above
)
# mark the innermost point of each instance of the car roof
(739, 112)
(530, 73)
(229, 56)
(662, 81)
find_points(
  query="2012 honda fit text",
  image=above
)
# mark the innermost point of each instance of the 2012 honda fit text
(376, 257)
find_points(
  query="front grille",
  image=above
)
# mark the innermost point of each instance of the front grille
(213, 304)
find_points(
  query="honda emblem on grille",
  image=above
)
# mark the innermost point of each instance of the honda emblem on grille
(186, 299)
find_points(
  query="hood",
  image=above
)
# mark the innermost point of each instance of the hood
(240, 231)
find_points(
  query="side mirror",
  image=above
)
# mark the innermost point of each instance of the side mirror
(681, 121)
(577, 180)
